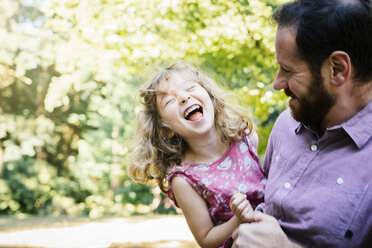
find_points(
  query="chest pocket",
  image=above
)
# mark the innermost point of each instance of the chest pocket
(330, 207)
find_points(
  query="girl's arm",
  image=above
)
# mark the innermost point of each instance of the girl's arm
(195, 210)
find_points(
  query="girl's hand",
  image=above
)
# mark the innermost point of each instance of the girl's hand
(263, 231)
(241, 207)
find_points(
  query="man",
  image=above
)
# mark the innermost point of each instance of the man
(319, 157)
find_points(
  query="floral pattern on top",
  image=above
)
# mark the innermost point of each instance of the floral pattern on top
(238, 169)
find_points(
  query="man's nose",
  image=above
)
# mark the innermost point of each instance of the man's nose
(280, 81)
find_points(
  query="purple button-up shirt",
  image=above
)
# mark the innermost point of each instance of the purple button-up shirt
(320, 189)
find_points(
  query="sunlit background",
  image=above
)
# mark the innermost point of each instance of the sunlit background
(69, 75)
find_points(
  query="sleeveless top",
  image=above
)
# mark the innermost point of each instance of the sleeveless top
(238, 169)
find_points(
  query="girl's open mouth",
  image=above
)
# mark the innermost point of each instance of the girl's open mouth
(194, 112)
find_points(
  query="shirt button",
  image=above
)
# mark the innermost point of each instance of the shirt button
(340, 180)
(287, 185)
(277, 158)
(313, 148)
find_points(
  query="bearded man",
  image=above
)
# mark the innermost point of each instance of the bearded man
(319, 156)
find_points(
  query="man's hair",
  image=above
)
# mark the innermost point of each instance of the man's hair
(324, 26)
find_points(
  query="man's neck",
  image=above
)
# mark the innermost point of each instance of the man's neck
(349, 104)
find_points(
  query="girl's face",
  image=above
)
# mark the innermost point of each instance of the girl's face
(185, 106)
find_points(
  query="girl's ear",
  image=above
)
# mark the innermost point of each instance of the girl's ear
(170, 134)
(340, 67)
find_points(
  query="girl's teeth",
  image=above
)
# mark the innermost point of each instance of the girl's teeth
(190, 110)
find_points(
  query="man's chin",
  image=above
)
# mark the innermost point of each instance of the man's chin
(298, 115)
(294, 104)
(294, 109)
(294, 115)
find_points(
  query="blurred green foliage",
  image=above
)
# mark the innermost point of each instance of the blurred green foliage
(69, 76)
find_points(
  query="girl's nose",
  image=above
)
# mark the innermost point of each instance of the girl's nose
(183, 97)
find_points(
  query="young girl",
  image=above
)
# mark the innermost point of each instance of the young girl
(202, 147)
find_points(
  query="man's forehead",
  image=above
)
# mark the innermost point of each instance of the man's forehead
(285, 45)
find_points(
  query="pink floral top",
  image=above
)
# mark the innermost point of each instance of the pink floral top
(237, 170)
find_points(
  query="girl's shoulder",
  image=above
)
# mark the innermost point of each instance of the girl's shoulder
(187, 172)
(251, 138)
(183, 169)
(176, 169)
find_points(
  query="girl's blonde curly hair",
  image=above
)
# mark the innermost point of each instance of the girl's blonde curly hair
(155, 153)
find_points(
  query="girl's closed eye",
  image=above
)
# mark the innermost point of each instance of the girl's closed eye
(168, 100)
(191, 88)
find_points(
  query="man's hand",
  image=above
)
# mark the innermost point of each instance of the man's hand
(240, 206)
(262, 231)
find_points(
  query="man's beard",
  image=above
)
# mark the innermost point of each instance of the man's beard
(315, 105)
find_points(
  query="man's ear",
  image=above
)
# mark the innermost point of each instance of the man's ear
(340, 67)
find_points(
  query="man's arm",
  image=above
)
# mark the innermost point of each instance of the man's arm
(262, 231)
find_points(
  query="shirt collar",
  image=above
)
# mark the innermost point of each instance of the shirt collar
(299, 127)
(359, 127)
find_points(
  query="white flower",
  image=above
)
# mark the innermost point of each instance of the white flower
(247, 162)
(243, 147)
(226, 164)
(201, 167)
(206, 182)
(242, 188)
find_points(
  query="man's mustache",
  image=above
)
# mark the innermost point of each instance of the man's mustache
(289, 93)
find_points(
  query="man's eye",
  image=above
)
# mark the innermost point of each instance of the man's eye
(285, 70)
